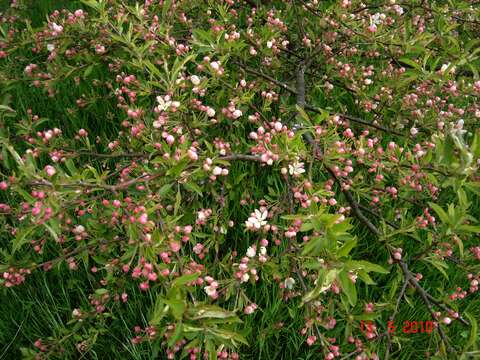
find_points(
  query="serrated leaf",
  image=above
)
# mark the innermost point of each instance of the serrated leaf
(367, 316)
(346, 248)
(193, 187)
(178, 202)
(177, 307)
(365, 265)
(315, 245)
(211, 311)
(348, 287)
(229, 335)
(324, 281)
(177, 334)
(211, 350)
(363, 275)
(159, 311)
(306, 227)
(473, 339)
(440, 212)
(410, 63)
(439, 265)
(21, 238)
(185, 279)
(469, 228)
(101, 291)
(51, 231)
(303, 115)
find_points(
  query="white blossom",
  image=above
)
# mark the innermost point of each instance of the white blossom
(210, 290)
(211, 112)
(296, 168)
(237, 113)
(289, 283)
(163, 104)
(445, 67)
(195, 80)
(257, 220)
(79, 229)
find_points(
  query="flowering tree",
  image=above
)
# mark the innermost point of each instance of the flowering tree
(208, 169)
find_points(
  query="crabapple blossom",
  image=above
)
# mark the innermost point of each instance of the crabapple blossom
(257, 219)
(296, 168)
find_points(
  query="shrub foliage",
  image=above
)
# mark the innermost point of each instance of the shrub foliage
(219, 179)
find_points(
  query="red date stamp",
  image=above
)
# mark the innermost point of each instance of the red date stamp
(408, 327)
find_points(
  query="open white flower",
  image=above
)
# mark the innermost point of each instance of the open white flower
(257, 220)
(162, 104)
(251, 252)
(377, 18)
(296, 168)
(445, 67)
(210, 290)
(289, 283)
(79, 229)
(195, 80)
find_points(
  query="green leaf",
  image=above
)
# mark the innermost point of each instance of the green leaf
(346, 248)
(363, 275)
(440, 212)
(193, 187)
(324, 281)
(229, 335)
(25, 194)
(475, 147)
(469, 229)
(51, 231)
(367, 316)
(164, 190)
(178, 202)
(71, 167)
(185, 279)
(178, 168)
(365, 265)
(21, 238)
(88, 71)
(314, 246)
(303, 115)
(177, 335)
(159, 311)
(15, 155)
(152, 68)
(348, 287)
(212, 351)
(439, 265)
(101, 291)
(211, 311)
(473, 339)
(177, 307)
(306, 227)
(410, 63)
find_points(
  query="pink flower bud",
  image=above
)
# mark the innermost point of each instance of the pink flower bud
(175, 246)
(170, 139)
(50, 170)
(143, 219)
